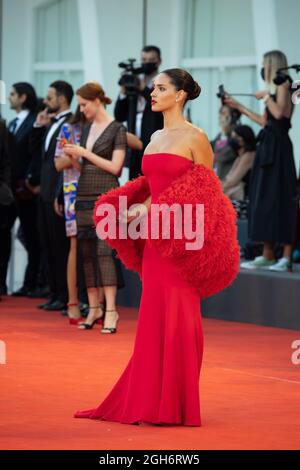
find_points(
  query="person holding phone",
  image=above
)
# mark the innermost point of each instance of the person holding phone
(70, 134)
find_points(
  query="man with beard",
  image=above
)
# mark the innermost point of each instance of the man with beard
(147, 121)
(52, 226)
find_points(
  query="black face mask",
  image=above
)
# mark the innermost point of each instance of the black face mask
(150, 67)
(234, 144)
(281, 78)
(262, 73)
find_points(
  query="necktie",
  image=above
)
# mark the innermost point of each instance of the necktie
(13, 125)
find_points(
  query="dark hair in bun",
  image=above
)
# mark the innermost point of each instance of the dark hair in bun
(183, 80)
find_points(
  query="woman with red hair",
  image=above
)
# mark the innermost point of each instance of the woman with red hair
(102, 153)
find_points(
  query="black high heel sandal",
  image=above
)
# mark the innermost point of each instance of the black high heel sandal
(89, 326)
(110, 325)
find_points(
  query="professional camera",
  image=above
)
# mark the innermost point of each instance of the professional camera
(221, 93)
(282, 75)
(129, 78)
(235, 114)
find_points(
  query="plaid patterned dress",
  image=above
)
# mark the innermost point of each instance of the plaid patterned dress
(101, 267)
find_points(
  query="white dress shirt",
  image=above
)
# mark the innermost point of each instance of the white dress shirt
(21, 116)
(59, 118)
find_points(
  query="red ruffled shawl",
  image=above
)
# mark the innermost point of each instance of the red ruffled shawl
(209, 269)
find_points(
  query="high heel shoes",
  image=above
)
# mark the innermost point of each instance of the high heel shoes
(74, 320)
(110, 322)
(89, 326)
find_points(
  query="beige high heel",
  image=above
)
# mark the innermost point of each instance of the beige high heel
(110, 322)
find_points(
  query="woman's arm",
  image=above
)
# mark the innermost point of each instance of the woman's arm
(147, 203)
(62, 163)
(133, 141)
(201, 149)
(283, 105)
(239, 171)
(113, 166)
(65, 162)
(258, 118)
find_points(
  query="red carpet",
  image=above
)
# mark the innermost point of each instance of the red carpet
(249, 387)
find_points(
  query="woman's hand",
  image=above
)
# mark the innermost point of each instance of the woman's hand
(58, 208)
(74, 151)
(33, 189)
(140, 210)
(261, 94)
(134, 142)
(62, 163)
(232, 103)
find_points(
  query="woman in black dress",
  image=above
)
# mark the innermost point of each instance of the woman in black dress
(273, 178)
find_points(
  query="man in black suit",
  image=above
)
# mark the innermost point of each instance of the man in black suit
(23, 100)
(52, 226)
(147, 121)
(7, 207)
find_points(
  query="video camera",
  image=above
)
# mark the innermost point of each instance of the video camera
(129, 78)
(282, 76)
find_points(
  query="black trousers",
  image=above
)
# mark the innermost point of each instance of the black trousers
(7, 220)
(56, 247)
(27, 211)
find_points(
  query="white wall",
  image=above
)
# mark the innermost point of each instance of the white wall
(16, 64)
(121, 34)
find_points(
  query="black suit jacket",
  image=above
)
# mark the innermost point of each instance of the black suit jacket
(151, 121)
(19, 150)
(6, 196)
(50, 178)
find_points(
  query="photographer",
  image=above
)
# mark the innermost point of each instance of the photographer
(146, 121)
(224, 154)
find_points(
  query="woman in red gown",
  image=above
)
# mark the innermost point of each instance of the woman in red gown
(160, 384)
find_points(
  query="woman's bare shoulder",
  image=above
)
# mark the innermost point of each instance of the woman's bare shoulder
(201, 147)
(198, 137)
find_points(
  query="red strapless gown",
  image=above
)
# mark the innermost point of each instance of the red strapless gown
(161, 381)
